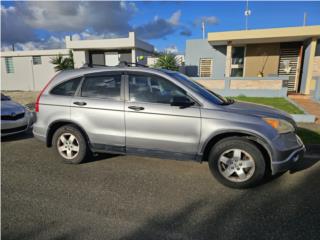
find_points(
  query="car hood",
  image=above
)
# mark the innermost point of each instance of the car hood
(259, 110)
(9, 107)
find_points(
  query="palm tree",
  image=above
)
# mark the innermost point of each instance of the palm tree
(63, 63)
(167, 61)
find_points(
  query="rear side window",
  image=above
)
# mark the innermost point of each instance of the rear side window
(67, 88)
(102, 87)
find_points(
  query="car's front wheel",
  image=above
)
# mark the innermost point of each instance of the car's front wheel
(237, 162)
(70, 144)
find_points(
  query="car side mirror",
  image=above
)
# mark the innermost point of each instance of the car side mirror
(181, 101)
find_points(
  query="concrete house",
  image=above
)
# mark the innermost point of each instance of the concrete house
(109, 52)
(31, 70)
(28, 70)
(282, 59)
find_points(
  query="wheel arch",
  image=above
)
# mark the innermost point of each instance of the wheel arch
(256, 139)
(54, 126)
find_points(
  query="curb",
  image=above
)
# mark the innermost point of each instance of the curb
(306, 117)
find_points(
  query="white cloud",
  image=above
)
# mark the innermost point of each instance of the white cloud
(50, 43)
(159, 27)
(175, 18)
(85, 20)
(211, 20)
(76, 16)
(173, 49)
(20, 21)
(13, 27)
(7, 10)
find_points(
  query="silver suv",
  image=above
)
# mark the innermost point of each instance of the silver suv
(160, 113)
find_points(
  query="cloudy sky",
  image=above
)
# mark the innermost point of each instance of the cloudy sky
(167, 25)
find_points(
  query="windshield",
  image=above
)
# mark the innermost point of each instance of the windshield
(201, 90)
(4, 97)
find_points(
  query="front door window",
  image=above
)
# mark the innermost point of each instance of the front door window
(152, 89)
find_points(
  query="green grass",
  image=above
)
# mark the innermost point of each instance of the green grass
(279, 103)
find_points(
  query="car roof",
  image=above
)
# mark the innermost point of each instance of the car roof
(69, 74)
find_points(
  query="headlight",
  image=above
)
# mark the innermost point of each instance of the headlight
(282, 126)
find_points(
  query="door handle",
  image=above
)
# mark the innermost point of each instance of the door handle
(136, 108)
(80, 103)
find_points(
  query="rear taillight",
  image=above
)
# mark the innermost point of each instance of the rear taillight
(41, 92)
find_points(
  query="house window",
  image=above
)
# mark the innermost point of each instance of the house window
(206, 67)
(237, 61)
(9, 64)
(36, 60)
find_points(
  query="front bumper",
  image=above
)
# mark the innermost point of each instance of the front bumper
(285, 158)
(9, 127)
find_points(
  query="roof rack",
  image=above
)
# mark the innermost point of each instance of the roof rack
(121, 64)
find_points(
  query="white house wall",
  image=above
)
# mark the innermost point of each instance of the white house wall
(21, 79)
(80, 58)
(26, 76)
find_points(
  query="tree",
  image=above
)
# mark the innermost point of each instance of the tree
(63, 63)
(167, 61)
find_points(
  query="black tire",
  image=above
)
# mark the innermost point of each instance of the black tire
(243, 144)
(83, 146)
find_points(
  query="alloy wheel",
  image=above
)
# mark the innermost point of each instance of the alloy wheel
(236, 165)
(68, 146)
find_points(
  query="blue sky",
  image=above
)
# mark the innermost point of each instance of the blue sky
(164, 24)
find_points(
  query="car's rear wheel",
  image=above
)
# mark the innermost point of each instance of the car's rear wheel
(237, 162)
(70, 144)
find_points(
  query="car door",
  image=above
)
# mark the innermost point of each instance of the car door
(153, 125)
(98, 108)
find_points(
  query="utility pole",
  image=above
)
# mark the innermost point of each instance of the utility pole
(305, 19)
(247, 13)
(203, 27)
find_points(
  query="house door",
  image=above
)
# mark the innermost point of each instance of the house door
(289, 64)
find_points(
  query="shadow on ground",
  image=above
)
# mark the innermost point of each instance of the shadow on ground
(309, 136)
(20, 136)
(99, 157)
(311, 158)
(275, 211)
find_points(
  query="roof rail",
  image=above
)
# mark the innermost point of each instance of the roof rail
(121, 64)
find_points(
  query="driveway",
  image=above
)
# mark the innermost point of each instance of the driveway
(117, 197)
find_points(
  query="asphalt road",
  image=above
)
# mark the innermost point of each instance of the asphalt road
(116, 197)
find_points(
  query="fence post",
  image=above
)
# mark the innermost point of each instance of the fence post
(227, 82)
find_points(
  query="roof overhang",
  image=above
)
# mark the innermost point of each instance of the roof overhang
(51, 52)
(291, 34)
(131, 42)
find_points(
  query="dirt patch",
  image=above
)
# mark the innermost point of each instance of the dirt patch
(22, 97)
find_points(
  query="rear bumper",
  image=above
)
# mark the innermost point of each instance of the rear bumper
(285, 159)
(39, 133)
